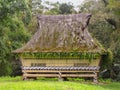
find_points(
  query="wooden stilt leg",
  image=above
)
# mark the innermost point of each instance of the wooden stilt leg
(95, 79)
(59, 77)
(24, 77)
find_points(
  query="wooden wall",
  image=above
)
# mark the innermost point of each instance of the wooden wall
(59, 62)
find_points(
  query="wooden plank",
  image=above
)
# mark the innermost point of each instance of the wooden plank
(57, 62)
(77, 75)
(57, 75)
(54, 71)
(40, 75)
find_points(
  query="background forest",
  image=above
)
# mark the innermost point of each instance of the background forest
(18, 23)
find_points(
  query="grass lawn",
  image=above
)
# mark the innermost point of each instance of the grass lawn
(8, 83)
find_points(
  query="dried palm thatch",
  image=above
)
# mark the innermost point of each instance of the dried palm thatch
(62, 33)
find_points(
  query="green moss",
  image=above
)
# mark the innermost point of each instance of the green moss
(62, 55)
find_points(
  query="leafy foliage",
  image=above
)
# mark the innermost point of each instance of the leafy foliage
(60, 8)
(65, 8)
(105, 27)
(12, 31)
(35, 6)
(107, 60)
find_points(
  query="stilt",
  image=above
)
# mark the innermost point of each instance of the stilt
(95, 79)
(59, 77)
(24, 76)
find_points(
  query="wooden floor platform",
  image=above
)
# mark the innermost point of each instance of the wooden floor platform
(60, 72)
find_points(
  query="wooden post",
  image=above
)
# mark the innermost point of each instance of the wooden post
(59, 77)
(95, 79)
(24, 77)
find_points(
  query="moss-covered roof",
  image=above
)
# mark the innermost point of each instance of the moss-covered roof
(62, 33)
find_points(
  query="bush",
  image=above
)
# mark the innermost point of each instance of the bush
(107, 60)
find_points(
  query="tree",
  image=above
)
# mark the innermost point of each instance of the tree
(114, 7)
(36, 6)
(60, 8)
(52, 8)
(105, 25)
(12, 31)
(66, 8)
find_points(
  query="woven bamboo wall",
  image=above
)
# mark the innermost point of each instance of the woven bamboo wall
(59, 62)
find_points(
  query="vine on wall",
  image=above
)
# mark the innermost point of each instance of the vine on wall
(62, 55)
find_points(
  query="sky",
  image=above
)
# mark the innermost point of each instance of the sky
(75, 2)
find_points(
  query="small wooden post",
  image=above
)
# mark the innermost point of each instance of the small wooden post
(24, 77)
(59, 77)
(95, 79)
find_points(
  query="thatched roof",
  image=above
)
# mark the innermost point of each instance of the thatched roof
(61, 33)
